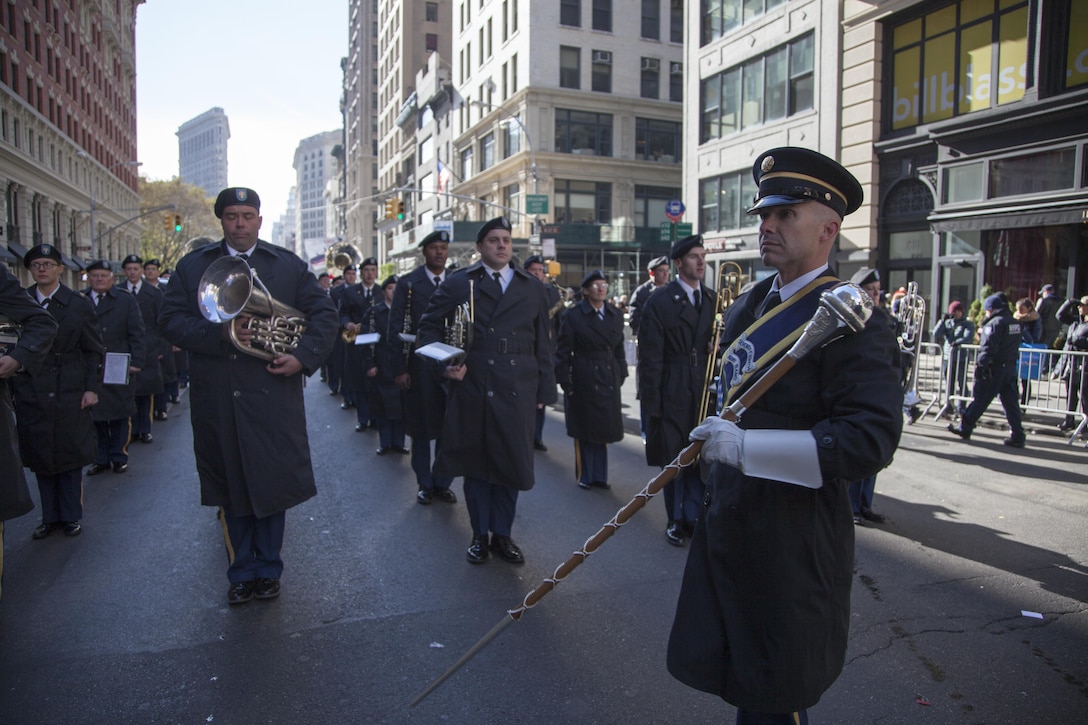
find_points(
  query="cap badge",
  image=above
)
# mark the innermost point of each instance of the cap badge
(767, 165)
(240, 194)
(46, 249)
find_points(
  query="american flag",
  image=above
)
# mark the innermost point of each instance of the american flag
(444, 177)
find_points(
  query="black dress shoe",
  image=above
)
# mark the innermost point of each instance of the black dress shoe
(674, 534)
(120, 467)
(539, 445)
(869, 515)
(601, 484)
(688, 527)
(161, 415)
(585, 484)
(98, 468)
(43, 530)
(175, 400)
(401, 449)
(240, 592)
(423, 496)
(72, 528)
(266, 588)
(507, 550)
(347, 406)
(477, 550)
(964, 434)
(145, 437)
(383, 450)
(1015, 441)
(445, 495)
(359, 427)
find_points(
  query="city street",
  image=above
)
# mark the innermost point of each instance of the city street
(969, 604)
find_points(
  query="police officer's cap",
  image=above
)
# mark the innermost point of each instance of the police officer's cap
(99, 264)
(865, 276)
(685, 245)
(499, 222)
(391, 279)
(792, 175)
(995, 302)
(42, 251)
(368, 262)
(593, 277)
(534, 259)
(236, 196)
(656, 262)
(437, 236)
(151, 263)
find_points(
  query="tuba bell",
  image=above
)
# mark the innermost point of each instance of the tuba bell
(341, 255)
(911, 318)
(230, 288)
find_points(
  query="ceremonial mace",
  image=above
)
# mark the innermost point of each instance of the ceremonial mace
(842, 310)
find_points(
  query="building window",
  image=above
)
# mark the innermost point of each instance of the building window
(650, 85)
(602, 15)
(676, 21)
(511, 198)
(960, 58)
(583, 202)
(1076, 57)
(487, 151)
(676, 82)
(657, 140)
(721, 16)
(583, 132)
(602, 71)
(724, 201)
(650, 204)
(651, 19)
(769, 87)
(570, 67)
(1041, 172)
(570, 13)
(431, 12)
(511, 138)
(432, 42)
(466, 163)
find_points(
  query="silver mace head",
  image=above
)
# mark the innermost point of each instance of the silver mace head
(844, 309)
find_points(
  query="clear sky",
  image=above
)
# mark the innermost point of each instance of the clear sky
(272, 65)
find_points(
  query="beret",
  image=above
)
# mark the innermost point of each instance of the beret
(236, 196)
(132, 259)
(99, 264)
(368, 262)
(593, 277)
(685, 245)
(42, 251)
(658, 261)
(534, 259)
(151, 262)
(438, 236)
(499, 222)
(391, 279)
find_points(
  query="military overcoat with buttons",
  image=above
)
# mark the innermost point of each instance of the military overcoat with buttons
(55, 435)
(149, 380)
(590, 367)
(249, 426)
(426, 396)
(122, 330)
(775, 643)
(490, 415)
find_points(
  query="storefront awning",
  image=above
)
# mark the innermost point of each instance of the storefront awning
(1008, 219)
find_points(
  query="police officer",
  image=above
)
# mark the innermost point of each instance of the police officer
(590, 367)
(356, 304)
(122, 328)
(426, 394)
(56, 432)
(995, 372)
(148, 382)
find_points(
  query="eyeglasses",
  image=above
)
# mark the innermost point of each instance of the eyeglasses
(43, 265)
(598, 285)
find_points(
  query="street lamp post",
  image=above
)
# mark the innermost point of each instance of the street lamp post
(508, 117)
(84, 155)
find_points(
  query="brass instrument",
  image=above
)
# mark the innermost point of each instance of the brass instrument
(342, 255)
(564, 302)
(911, 318)
(459, 329)
(9, 335)
(730, 276)
(229, 288)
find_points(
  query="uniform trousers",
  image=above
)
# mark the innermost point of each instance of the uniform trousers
(390, 433)
(112, 441)
(253, 546)
(861, 494)
(334, 366)
(538, 430)
(491, 506)
(1001, 383)
(683, 496)
(141, 422)
(591, 461)
(747, 717)
(61, 496)
(421, 465)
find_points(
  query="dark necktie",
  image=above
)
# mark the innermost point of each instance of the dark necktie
(132, 288)
(244, 257)
(769, 303)
(45, 302)
(498, 279)
(698, 301)
(97, 298)
(366, 294)
(437, 280)
(600, 314)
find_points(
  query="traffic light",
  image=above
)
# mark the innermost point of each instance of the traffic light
(168, 222)
(177, 223)
(398, 210)
(391, 208)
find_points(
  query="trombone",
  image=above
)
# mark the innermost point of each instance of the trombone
(730, 278)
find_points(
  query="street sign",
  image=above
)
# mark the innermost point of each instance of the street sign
(674, 210)
(666, 231)
(683, 230)
(671, 232)
(536, 203)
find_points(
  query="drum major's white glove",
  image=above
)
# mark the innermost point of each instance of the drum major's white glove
(724, 441)
(789, 456)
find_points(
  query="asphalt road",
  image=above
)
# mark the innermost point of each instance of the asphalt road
(128, 623)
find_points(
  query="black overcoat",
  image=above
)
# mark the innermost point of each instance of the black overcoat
(426, 398)
(149, 380)
(55, 435)
(355, 307)
(122, 330)
(673, 344)
(249, 426)
(590, 367)
(764, 608)
(386, 399)
(35, 339)
(490, 415)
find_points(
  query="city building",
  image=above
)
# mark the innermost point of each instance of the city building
(359, 107)
(202, 151)
(315, 165)
(68, 131)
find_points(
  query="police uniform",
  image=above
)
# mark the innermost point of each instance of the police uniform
(764, 608)
(673, 345)
(995, 372)
(148, 382)
(426, 394)
(590, 367)
(386, 399)
(56, 434)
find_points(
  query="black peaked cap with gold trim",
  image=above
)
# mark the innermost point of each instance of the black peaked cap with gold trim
(792, 175)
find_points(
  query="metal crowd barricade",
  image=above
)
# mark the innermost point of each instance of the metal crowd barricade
(930, 384)
(1049, 376)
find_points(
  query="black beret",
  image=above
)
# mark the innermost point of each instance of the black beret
(368, 262)
(682, 246)
(42, 251)
(593, 277)
(658, 261)
(132, 259)
(792, 175)
(349, 268)
(865, 276)
(533, 259)
(152, 263)
(99, 264)
(391, 279)
(437, 236)
(499, 222)
(236, 196)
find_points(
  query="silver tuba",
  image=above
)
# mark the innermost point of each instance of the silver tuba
(229, 288)
(341, 255)
(911, 318)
